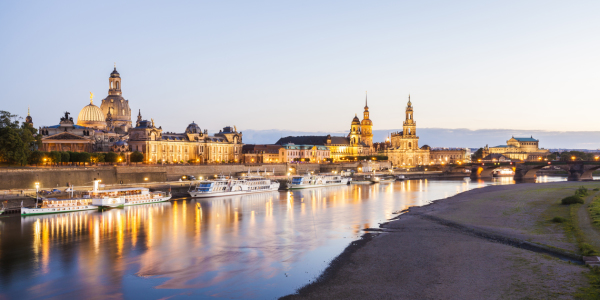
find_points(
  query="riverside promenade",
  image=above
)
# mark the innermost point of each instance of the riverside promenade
(496, 242)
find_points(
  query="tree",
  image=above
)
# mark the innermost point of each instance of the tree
(55, 156)
(84, 157)
(97, 157)
(137, 157)
(12, 147)
(36, 157)
(74, 157)
(65, 156)
(111, 157)
(475, 157)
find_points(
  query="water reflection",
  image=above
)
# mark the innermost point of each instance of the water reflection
(257, 246)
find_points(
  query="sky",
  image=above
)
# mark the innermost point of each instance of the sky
(305, 65)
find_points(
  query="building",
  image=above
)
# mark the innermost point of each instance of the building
(191, 146)
(338, 147)
(495, 157)
(403, 149)
(439, 156)
(115, 105)
(520, 148)
(308, 153)
(66, 136)
(261, 153)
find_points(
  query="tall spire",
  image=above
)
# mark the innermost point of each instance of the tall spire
(409, 104)
(28, 110)
(366, 102)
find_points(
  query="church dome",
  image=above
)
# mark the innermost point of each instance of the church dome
(355, 121)
(115, 73)
(91, 116)
(193, 128)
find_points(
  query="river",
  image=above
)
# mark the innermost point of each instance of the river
(257, 246)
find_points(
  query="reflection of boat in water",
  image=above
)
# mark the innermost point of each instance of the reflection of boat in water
(229, 187)
(313, 181)
(503, 173)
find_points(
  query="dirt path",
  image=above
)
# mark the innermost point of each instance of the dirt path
(592, 236)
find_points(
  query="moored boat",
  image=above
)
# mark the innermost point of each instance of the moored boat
(224, 186)
(54, 206)
(383, 178)
(312, 181)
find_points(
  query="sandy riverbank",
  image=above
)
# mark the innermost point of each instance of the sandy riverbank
(444, 250)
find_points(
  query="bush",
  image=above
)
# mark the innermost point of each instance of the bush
(581, 191)
(571, 200)
(587, 249)
(559, 220)
(596, 189)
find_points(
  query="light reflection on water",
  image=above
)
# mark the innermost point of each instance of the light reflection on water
(256, 246)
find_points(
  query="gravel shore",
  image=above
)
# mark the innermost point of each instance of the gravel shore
(416, 257)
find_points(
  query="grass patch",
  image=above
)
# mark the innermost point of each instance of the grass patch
(571, 200)
(594, 210)
(582, 191)
(593, 291)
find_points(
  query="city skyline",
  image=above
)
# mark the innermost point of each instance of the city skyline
(486, 67)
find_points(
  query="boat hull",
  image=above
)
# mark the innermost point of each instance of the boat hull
(224, 194)
(42, 211)
(310, 186)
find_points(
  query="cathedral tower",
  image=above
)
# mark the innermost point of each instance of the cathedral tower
(366, 126)
(116, 105)
(409, 129)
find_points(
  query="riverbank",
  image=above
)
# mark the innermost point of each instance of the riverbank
(496, 242)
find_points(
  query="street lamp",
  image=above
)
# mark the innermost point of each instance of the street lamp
(37, 188)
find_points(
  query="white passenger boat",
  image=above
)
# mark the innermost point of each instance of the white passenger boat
(312, 181)
(54, 206)
(127, 197)
(227, 186)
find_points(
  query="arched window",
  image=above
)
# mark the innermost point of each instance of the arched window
(111, 84)
(409, 145)
(117, 84)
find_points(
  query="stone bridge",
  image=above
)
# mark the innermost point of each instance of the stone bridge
(577, 170)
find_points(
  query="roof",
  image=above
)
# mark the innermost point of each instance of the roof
(526, 139)
(249, 148)
(496, 156)
(74, 126)
(65, 136)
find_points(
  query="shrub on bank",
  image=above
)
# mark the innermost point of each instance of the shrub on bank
(596, 189)
(559, 220)
(581, 191)
(571, 200)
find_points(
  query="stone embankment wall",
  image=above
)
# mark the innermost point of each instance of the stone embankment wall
(59, 177)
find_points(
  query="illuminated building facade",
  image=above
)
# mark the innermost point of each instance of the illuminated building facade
(403, 150)
(519, 149)
(191, 146)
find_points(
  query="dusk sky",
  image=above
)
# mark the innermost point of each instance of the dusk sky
(306, 65)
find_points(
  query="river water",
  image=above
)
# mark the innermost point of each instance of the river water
(259, 246)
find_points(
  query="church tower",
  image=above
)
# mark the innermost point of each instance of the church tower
(409, 131)
(366, 126)
(354, 134)
(115, 105)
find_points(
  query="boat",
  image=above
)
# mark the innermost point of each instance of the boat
(54, 206)
(224, 186)
(503, 173)
(383, 178)
(312, 181)
(400, 177)
(127, 197)
(361, 179)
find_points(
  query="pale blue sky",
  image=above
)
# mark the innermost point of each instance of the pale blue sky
(305, 65)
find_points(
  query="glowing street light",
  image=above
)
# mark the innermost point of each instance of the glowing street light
(37, 188)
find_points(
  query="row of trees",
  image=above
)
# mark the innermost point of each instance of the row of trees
(17, 140)
(77, 158)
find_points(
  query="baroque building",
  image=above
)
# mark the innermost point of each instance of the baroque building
(115, 106)
(520, 148)
(403, 149)
(191, 146)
